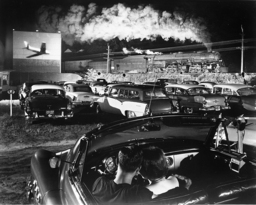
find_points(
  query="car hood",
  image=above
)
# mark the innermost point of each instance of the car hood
(43, 102)
(162, 126)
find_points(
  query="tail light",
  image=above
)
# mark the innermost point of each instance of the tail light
(147, 111)
(200, 99)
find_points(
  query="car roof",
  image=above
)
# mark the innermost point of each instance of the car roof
(183, 86)
(46, 86)
(79, 85)
(138, 86)
(69, 82)
(208, 82)
(232, 86)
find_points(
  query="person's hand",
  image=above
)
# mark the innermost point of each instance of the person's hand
(187, 180)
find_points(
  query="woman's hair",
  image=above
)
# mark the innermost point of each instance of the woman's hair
(130, 158)
(154, 165)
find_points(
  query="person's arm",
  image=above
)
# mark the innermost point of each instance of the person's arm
(187, 182)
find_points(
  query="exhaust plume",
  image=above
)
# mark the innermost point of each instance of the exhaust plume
(80, 24)
(139, 51)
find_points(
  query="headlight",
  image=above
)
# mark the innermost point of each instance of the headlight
(69, 106)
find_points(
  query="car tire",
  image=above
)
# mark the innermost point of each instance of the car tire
(130, 114)
(188, 110)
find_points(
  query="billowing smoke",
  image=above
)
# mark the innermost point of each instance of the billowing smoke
(139, 51)
(80, 24)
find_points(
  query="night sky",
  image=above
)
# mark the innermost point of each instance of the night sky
(89, 26)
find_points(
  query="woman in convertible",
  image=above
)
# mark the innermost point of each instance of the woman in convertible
(155, 169)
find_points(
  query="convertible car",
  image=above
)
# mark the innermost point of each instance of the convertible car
(47, 101)
(219, 173)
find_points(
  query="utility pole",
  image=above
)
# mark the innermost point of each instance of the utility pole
(108, 61)
(242, 51)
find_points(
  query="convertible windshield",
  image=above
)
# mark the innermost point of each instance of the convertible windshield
(194, 128)
(247, 91)
(157, 93)
(196, 91)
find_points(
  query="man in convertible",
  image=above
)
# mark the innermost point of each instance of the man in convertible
(120, 190)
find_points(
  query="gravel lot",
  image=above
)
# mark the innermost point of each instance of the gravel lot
(18, 142)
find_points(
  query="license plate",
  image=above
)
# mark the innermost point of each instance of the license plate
(49, 112)
(217, 108)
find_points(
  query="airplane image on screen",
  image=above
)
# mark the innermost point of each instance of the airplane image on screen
(38, 51)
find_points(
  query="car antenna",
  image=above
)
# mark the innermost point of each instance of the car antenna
(152, 94)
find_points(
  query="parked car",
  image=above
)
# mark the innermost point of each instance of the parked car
(24, 91)
(208, 84)
(166, 81)
(122, 82)
(151, 83)
(241, 98)
(47, 101)
(80, 94)
(134, 101)
(195, 98)
(98, 86)
(219, 175)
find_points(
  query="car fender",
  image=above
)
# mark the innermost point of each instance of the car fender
(44, 177)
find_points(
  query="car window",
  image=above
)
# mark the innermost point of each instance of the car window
(196, 91)
(124, 93)
(246, 91)
(180, 91)
(37, 92)
(82, 89)
(227, 91)
(217, 90)
(134, 94)
(157, 93)
(114, 92)
(67, 88)
(170, 90)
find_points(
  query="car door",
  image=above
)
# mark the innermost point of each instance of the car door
(76, 192)
(130, 102)
(111, 103)
(182, 97)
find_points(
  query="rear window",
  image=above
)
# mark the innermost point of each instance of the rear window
(82, 89)
(154, 93)
(52, 92)
(196, 91)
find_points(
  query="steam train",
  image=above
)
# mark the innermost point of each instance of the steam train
(193, 62)
(199, 62)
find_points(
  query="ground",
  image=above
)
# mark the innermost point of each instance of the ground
(19, 141)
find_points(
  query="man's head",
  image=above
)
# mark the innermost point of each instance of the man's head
(129, 158)
(154, 165)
